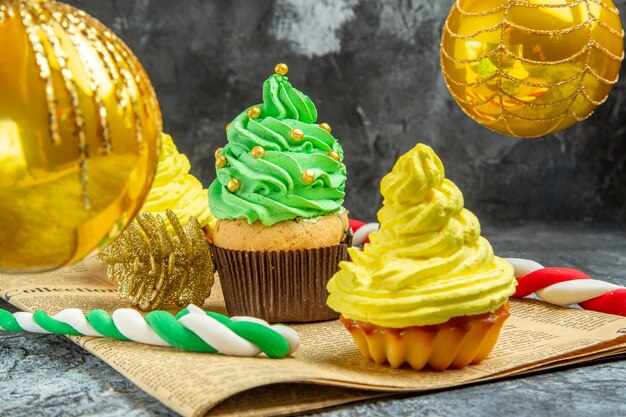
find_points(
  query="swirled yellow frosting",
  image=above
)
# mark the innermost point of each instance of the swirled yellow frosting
(176, 189)
(427, 263)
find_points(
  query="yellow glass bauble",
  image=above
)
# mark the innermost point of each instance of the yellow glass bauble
(528, 68)
(79, 131)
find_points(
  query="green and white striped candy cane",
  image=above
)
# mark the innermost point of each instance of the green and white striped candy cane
(192, 329)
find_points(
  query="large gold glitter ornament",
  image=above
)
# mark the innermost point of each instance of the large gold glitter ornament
(79, 129)
(154, 267)
(531, 67)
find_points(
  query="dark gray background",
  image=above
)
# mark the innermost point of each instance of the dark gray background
(372, 69)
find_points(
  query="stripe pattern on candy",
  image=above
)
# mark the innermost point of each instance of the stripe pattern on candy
(192, 329)
(361, 231)
(566, 286)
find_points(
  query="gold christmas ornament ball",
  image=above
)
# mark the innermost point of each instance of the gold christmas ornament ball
(79, 132)
(529, 68)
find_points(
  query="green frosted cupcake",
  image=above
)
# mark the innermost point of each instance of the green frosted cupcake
(278, 198)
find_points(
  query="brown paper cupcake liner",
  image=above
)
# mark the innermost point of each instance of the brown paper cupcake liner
(279, 286)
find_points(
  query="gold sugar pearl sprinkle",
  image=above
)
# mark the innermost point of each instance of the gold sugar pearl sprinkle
(233, 185)
(281, 69)
(221, 161)
(326, 127)
(227, 127)
(335, 156)
(308, 176)
(217, 152)
(254, 112)
(296, 134)
(257, 152)
(343, 166)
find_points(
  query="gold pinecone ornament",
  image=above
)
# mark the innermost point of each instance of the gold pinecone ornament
(154, 267)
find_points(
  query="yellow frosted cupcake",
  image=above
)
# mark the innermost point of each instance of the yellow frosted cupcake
(176, 189)
(427, 290)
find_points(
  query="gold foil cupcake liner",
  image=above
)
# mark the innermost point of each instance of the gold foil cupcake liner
(455, 344)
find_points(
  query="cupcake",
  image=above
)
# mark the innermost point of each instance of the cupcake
(278, 197)
(427, 290)
(174, 188)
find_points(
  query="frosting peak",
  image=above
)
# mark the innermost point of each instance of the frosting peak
(285, 166)
(423, 170)
(282, 101)
(427, 263)
(175, 189)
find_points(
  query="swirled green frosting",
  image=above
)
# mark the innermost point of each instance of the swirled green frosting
(271, 187)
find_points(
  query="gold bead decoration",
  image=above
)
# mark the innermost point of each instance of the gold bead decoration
(217, 152)
(233, 185)
(257, 152)
(343, 166)
(227, 127)
(326, 127)
(281, 69)
(296, 134)
(308, 176)
(221, 161)
(335, 156)
(254, 112)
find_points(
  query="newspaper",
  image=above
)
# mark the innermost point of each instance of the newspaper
(326, 371)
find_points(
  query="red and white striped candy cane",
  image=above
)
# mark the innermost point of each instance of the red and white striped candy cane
(566, 286)
(361, 231)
